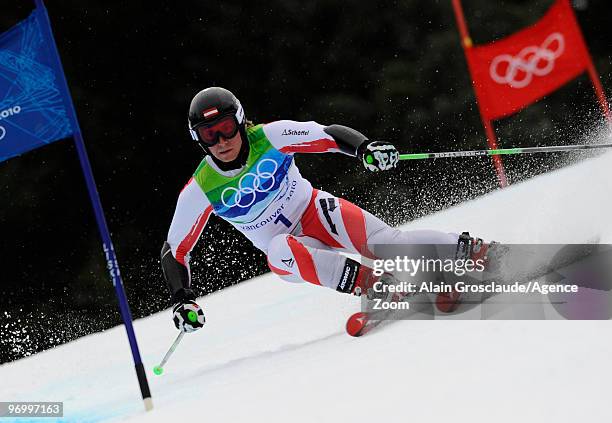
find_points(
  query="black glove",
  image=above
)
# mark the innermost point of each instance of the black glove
(378, 155)
(187, 314)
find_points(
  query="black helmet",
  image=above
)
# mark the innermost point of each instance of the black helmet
(210, 106)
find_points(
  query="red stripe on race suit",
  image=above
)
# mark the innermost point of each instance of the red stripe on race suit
(355, 225)
(188, 242)
(312, 225)
(322, 145)
(187, 184)
(278, 271)
(305, 263)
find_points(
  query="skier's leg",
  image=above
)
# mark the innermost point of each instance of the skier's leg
(367, 232)
(341, 224)
(303, 258)
(329, 224)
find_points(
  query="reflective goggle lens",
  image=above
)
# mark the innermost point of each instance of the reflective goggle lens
(226, 127)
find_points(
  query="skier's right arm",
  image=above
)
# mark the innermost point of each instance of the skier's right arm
(192, 212)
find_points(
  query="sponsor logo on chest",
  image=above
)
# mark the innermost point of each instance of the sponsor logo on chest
(294, 132)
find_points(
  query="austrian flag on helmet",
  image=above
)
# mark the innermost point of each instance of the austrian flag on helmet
(210, 113)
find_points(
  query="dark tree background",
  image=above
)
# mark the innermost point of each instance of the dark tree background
(391, 69)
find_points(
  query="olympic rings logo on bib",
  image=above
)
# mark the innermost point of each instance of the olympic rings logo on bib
(528, 62)
(250, 184)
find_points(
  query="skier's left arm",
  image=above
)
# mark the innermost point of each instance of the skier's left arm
(311, 137)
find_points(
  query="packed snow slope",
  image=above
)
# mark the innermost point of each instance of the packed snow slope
(277, 352)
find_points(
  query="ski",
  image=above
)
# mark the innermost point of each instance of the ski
(362, 322)
(358, 324)
(508, 264)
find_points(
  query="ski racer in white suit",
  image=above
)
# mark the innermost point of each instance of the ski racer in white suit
(250, 179)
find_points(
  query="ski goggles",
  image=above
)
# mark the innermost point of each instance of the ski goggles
(227, 127)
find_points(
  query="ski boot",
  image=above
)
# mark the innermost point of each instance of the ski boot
(361, 322)
(467, 248)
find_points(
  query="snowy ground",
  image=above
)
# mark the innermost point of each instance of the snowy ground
(273, 351)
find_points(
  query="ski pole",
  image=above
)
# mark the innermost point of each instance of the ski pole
(500, 151)
(159, 369)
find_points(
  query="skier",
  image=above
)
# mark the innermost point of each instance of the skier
(249, 178)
